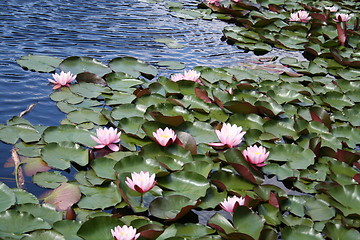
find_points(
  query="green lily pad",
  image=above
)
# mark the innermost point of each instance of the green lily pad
(99, 228)
(39, 63)
(45, 212)
(248, 222)
(132, 66)
(68, 228)
(300, 232)
(59, 155)
(49, 179)
(170, 43)
(44, 235)
(174, 65)
(189, 184)
(16, 222)
(171, 207)
(78, 65)
(7, 197)
(347, 198)
(99, 197)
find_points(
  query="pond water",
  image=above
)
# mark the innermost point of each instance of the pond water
(99, 29)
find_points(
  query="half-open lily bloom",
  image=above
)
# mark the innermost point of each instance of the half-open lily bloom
(190, 75)
(256, 155)
(215, 2)
(124, 233)
(141, 182)
(332, 9)
(62, 80)
(230, 203)
(107, 137)
(300, 16)
(342, 17)
(165, 137)
(229, 136)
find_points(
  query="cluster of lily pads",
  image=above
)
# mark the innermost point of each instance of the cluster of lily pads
(261, 26)
(158, 171)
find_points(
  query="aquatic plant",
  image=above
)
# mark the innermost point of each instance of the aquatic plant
(107, 137)
(165, 137)
(141, 182)
(300, 16)
(62, 80)
(305, 114)
(230, 203)
(256, 155)
(124, 233)
(229, 136)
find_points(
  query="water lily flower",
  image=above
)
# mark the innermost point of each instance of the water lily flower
(124, 233)
(256, 155)
(141, 182)
(165, 137)
(62, 80)
(300, 16)
(229, 136)
(332, 9)
(215, 2)
(107, 137)
(230, 203)
(190, 75)
(342, 17)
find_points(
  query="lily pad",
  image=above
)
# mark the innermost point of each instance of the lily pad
(78, 65)
(39, 63)
(133, 67)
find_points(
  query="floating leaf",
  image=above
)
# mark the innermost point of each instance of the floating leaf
(171, 207)
(189, 184)
(300, 232)
(86, 115)
(99, 197)
(99, 228)
(45, 212)
(44, 235)
(64, 196)
(39, 63)
(132, 66)
(7, 197)
(347, 197)
(16, 222)
(68, 228)
(49, 179)
(170, 43)
(175, 65)
(78, 65)
(248, 222)
(60, 155)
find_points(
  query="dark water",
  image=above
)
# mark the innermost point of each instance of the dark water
(99, 29)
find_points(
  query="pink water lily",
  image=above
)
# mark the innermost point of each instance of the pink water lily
(124, 233)
(230, 203)
(342, 17)
(256, 155)
(229, 136)
(107, 137)
(300, 16)
(141, 182)
(190, 75)
(215, 2)
(332, 9)
(165, 137)
(62, 80)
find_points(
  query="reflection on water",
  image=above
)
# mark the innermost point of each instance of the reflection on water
(99, 29)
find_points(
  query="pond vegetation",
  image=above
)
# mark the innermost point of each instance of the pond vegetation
(260, 151)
